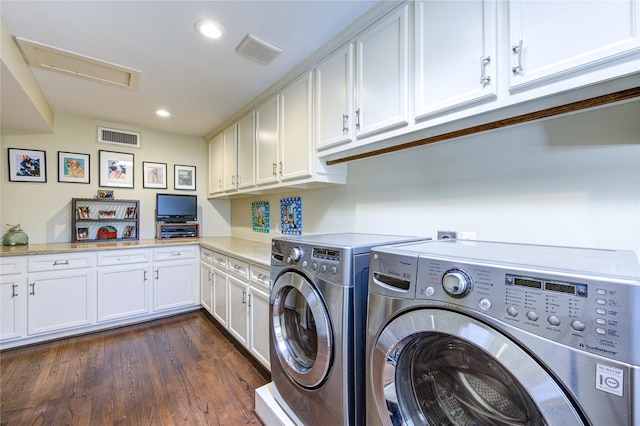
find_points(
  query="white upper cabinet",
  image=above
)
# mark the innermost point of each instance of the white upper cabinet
(230, 158)
(554, 40)
(455, 59)
(296, 129)
(334, 99)
(246, 151)
(267, 141)
(382, 74)
(215, 150)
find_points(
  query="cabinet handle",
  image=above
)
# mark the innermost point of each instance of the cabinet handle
(249, 300)
(281, 168)
(275, 169)
(145, 276)
(157, 276)
(518, 49)
(220, 183)
(238, 180)
(358, 119)
(345, 129)
(13, 290)
(484, 79)
(244, 296)
(33, 289)
(60, 262)
(175, 253)
(233, 180)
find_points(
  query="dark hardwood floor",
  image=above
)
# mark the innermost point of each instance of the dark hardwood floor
(175, 371)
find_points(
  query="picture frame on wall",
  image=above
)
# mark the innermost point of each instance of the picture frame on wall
(116, 169)
(154, 175)
(184, 177)
(291, 215)
(73, 167)
(260, 216)
(27, 165)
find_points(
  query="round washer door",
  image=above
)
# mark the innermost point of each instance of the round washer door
(436, 367)
(301, 330)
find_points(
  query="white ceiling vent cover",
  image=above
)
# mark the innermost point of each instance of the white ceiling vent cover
(118, 137)
(258, 50)
(76, 65)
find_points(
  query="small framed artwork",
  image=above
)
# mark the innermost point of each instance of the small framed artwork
(116, 169)
(27, 165)
(73, 167)
(260, 216)
(128, 231)
(154, 175)
(291, 214)
(84, 212)
(82, 233)
(107, 214)
(105, 194)
(131, 213)
(185, 177)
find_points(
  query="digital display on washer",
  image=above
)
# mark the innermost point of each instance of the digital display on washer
(326, 254)
(541, 284)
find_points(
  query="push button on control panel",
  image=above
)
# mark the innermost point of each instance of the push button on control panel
(512, 311)
(553, 320)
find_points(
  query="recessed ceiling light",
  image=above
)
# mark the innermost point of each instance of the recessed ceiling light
(163, 113)
(209, 29)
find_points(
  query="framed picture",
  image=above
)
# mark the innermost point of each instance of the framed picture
(82, 233)
(185, 177)
(128, 231)
(27, 165)
(116, 169)
(131, 213)
(291, 214)
(84, 212)
(73, 167)
(105, 194)
(154, 175)
(260, 216)
(107, 214)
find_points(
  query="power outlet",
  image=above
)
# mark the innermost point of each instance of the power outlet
(447, 235)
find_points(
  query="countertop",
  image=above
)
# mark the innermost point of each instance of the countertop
(253, 251)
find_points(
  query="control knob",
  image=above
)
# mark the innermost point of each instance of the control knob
(295, 253)
(456, 283)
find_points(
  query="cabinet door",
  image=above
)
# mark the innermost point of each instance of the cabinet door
(220, 297)
(334, 99)
(382, 75)
(123, 291)
(455, 58)
(557, 39)
(259, 325)
(11, 296)
(238, 323)
(267, 141)
(215, 147)
(230, 158)
(60, 300)
(296, 136)
(206, 286)
(246, 151)
(174, 285)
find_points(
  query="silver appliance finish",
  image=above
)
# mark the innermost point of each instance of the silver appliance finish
(473, 332)
(317, 325)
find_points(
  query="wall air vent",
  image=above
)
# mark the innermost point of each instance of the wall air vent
(258, 50)
(118, 137)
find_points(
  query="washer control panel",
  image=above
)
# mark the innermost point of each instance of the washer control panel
(329, 263)
(588, 313)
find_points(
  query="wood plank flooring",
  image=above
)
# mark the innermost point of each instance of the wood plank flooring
(175, 371)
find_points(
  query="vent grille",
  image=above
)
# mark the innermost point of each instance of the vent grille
(258, 49)
(118, 137)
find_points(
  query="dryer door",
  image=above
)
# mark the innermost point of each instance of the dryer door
(436, 367)
(301, 330)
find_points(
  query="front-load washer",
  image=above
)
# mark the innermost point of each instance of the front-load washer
(485, 333)
(317, 325)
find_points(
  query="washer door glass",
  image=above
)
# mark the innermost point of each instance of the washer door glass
(301, 330)
(437, 367)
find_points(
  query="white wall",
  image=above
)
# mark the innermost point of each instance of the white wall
(43, 209)
(571, 180)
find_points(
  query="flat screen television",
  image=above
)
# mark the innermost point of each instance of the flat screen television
(176, 208)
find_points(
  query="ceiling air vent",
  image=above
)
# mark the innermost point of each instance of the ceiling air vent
(118, 137)
(258, 50)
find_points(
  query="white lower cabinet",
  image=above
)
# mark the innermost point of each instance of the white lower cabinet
(258, 304)
(206, 279)
(174, 278)
(12, 294)
(220, 302)
(238, 321)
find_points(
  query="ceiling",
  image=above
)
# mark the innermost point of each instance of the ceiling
(201, 82)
